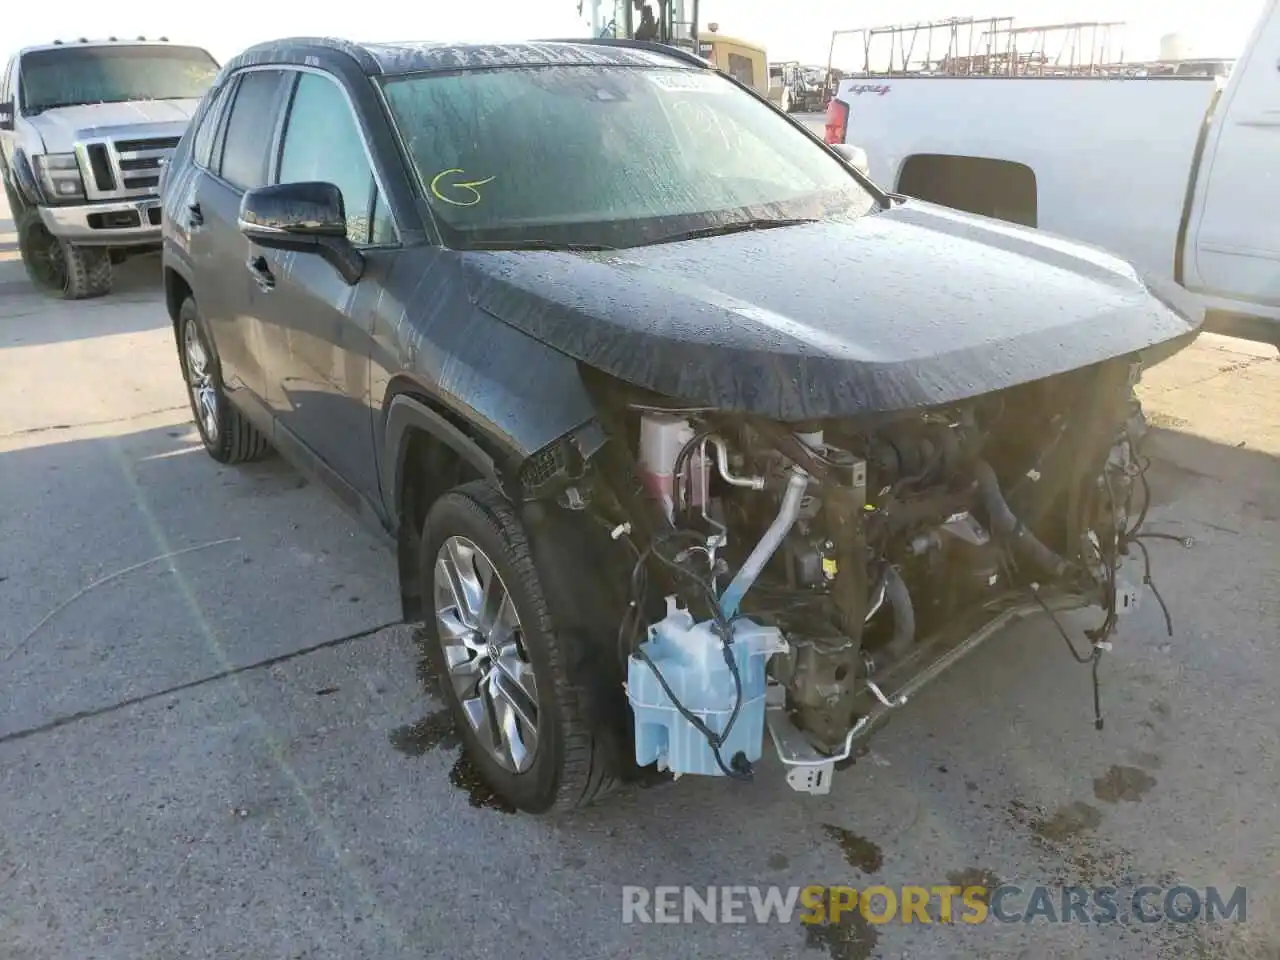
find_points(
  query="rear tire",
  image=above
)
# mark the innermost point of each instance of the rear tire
(227, 434)
(569, 766)
(60, 268)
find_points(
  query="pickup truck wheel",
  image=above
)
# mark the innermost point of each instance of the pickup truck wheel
(58, 267)
(503, 669)
(227, 435)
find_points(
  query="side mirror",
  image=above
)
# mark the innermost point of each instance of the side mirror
(855, 157)
(293, 215)
(302, 216)
(6, 116)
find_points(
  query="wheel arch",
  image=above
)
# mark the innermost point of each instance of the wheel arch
(177, 289)
(22, 180)
(426, 451)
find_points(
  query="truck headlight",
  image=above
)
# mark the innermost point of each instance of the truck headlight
(59, 175)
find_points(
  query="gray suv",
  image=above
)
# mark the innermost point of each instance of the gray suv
(86, 129)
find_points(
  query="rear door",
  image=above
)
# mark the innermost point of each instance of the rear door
(1237, 238)
(185, 237)
(318, 330)
(238, 162)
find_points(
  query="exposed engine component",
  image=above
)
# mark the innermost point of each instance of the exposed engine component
(850, 552)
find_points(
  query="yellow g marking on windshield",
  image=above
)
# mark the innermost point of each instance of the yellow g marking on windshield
(469, 185)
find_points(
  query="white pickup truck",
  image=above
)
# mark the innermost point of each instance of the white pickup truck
(1180, 175)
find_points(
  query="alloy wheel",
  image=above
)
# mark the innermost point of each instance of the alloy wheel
(483, 643)
(204, 394)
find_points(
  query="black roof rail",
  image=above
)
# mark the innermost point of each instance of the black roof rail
(299, 45)
(652, 46)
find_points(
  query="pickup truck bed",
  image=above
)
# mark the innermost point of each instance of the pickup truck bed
(1100, 160)
(1179, 175)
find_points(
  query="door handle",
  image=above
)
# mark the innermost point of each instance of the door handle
(195, 217)
(261, 273)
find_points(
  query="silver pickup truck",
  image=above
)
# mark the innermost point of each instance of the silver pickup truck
(86, 129)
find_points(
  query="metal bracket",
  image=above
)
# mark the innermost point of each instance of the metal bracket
(811, 780)
(808, 771)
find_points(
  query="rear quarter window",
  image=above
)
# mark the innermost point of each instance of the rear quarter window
(202, 146)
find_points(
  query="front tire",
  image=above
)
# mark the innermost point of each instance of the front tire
(503, 668)
(60, 268)
(227, 434)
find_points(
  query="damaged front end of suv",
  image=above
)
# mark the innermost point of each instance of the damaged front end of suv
(826, 570)
(806, 578)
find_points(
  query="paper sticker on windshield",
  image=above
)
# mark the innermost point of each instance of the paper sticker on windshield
(688, 81)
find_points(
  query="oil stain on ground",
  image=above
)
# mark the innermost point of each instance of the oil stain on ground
(431, 732)
(1076, 817)
(849, 938)
(1122, 783)
(859, 852)
(464, 776)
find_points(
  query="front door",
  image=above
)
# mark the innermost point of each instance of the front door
(1237, 239)
(318, 329)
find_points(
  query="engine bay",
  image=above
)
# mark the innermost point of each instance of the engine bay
(805, 579)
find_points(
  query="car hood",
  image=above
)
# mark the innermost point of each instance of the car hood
(917, 305)
(61, 127)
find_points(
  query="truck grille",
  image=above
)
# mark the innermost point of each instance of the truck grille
(123, 169)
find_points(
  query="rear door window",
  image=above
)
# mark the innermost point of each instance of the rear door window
(250, 129)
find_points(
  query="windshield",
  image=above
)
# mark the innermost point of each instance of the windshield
(69, 75)
(613, 156)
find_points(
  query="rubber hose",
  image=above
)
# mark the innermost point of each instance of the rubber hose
(1007, 523)
(904, 614)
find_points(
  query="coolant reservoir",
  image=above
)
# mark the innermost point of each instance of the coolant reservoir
(691, 660)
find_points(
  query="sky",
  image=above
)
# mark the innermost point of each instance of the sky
(794, 30)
